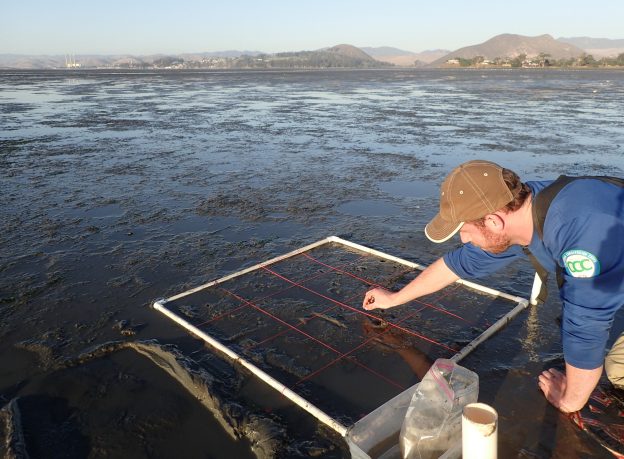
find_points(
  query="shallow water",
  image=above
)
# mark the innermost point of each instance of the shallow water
(120, 188)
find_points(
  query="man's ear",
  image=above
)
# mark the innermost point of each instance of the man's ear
(494, 223)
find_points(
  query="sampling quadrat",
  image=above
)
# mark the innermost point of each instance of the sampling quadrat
(296, 321)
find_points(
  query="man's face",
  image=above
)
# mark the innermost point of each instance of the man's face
(484, 238)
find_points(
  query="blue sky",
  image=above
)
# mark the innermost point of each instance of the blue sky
(146, 27)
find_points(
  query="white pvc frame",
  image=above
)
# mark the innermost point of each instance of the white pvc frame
(294, 397)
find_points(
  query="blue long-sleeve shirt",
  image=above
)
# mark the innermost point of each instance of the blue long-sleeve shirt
(584, 235)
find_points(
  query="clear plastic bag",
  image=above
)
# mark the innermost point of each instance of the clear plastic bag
(432, 423)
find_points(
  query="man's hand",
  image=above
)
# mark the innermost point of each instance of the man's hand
(432, 279)
(553, 384)
(569, 392)
(378, 298)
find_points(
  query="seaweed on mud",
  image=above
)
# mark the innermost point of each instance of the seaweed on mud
(497, 147)
(16, 107)
(584, 168)
(35, 285)
(280, 361)
(242, 204)
(305, 207)
(47, 348)
(127, 327)
(135, 168)
(395, 162)
(13, 145)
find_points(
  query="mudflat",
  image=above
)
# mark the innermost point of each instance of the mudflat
(118, 188)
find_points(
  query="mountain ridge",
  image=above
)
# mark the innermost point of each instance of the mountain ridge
(404, 58)
(589, 42)
(513, 45)
(503, 46)
(597, 47)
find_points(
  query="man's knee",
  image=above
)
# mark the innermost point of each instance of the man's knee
(614, 363)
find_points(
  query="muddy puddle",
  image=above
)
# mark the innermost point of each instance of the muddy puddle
(119, 189)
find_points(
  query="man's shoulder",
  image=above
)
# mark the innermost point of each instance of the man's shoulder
(586, 197)
(536, 186)
(581, 212)
(584, 187)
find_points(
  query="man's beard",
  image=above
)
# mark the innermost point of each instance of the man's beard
(496, 243)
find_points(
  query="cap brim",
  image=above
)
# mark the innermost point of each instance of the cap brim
(439, 230)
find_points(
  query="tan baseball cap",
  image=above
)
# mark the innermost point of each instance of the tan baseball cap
(471, 191)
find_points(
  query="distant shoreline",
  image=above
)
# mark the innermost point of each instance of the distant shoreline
(303, 69)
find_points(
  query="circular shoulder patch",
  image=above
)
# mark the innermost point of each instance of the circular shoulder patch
(580, 263)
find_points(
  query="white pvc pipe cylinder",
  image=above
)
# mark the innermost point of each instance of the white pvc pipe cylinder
(535, 290)
(479, 432)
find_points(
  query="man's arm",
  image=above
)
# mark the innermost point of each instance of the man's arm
(570, 391)
(590, 298)
(432, 279)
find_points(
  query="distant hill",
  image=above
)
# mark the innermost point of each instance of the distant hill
(23, 61)
(506, 46)
(511, 46)
(383, 51)
(597, 47)
(230, 53)
(29, 61)
(339, 56)
(404, 58)
(430, 55)
(350, 51)
(588, 42)
(19, 61)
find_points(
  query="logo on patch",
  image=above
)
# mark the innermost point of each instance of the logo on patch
(580, 263)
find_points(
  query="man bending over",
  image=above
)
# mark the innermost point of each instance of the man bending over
(572, 226)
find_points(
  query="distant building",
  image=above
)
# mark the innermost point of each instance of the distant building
(70, 62)
(527, 64)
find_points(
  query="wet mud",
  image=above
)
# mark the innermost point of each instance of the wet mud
(142, 399)
(122, 188)
(300, 321)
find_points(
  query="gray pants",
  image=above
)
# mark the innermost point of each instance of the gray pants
(614, 363)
